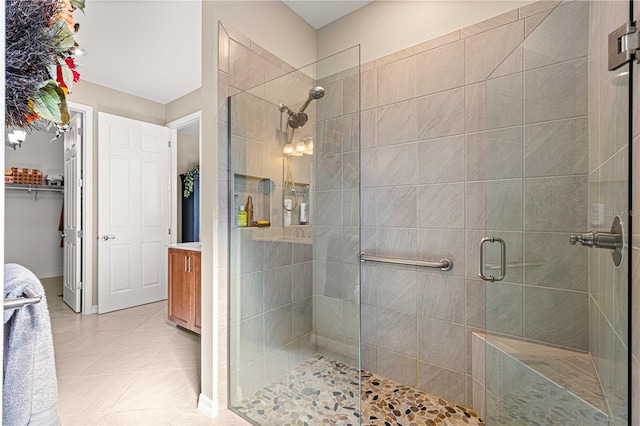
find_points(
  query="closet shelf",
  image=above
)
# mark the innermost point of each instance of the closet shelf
(37, 188)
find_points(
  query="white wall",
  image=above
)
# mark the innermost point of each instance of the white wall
(32, 238)
(384, 27)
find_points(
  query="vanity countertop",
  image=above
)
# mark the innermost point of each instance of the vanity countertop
(196, 246)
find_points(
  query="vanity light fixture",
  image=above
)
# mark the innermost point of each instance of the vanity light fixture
(16, 137)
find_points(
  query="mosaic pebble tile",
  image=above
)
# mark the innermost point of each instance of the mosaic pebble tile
(321, 391)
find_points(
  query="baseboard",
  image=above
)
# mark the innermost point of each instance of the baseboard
(208, 407)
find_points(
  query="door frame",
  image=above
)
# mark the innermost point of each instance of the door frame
(88, 238)
(174, 178)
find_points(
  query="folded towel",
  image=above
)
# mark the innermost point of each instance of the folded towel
(30, 386)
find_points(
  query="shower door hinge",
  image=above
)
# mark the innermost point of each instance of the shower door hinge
(169, 143)
(80, 234)
(79, 285)
(624, 42)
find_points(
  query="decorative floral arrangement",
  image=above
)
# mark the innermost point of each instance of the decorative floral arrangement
(39, 60)
(188, 181)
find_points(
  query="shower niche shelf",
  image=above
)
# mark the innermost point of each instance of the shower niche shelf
(260, 189)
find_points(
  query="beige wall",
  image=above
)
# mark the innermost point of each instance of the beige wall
(183, 106)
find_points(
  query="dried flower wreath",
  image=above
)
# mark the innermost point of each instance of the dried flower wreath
(39, 60)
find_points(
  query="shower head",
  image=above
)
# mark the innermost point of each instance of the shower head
(299, 119)
(315, 93)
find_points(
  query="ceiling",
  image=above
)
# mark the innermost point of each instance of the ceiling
(147, 48)
(320, 13)
(152, 48)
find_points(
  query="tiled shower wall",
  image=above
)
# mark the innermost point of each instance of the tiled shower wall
(476, 133)
(608, 186)
(452, 112)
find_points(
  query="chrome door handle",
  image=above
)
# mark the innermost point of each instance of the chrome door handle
(108, 237)
(503, 256)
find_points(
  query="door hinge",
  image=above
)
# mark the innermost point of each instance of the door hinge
(624, 42)
(79, 285)
(80, 131)
(80, 233)
(169, 144)
(80, 183)
(169, 231)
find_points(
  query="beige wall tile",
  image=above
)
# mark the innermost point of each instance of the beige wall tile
(489, 24)
(443, 382)
(487, 50)
(440, 115)
(397, 81)
(440, 69)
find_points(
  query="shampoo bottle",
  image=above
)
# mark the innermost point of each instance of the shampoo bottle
(287, 211)
(249, 210)
(242, 218)
(304, 208)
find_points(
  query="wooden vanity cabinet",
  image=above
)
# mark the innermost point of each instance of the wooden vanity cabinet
(184, 288)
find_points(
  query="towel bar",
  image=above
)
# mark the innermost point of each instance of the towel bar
(31, 299)
(444, 264)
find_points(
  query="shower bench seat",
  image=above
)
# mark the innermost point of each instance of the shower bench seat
(529, 382)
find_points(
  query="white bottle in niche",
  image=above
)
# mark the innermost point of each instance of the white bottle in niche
(303, 214)
(287, 211)
(304, 207)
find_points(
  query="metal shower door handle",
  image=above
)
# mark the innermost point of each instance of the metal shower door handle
(503, 256)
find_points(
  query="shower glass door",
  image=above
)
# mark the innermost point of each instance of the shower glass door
(294, 277)
(550, 163)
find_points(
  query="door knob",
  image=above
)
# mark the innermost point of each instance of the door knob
(108, 237)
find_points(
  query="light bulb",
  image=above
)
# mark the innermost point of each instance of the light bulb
(301, 147)
(12, 138)
(20, 135)
(288, 149)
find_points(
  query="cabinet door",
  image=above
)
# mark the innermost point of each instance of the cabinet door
(179, 288)
(195, 262)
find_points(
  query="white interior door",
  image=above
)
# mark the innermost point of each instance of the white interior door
(133, 212)
(72, 272)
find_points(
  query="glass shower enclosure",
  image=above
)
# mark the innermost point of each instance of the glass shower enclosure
(294, 334)
(552, 235)
(513, 166)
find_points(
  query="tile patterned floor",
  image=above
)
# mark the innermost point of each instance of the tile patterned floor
(129, 367)
(323, 391)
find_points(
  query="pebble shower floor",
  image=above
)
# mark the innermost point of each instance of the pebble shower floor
(323, 391)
